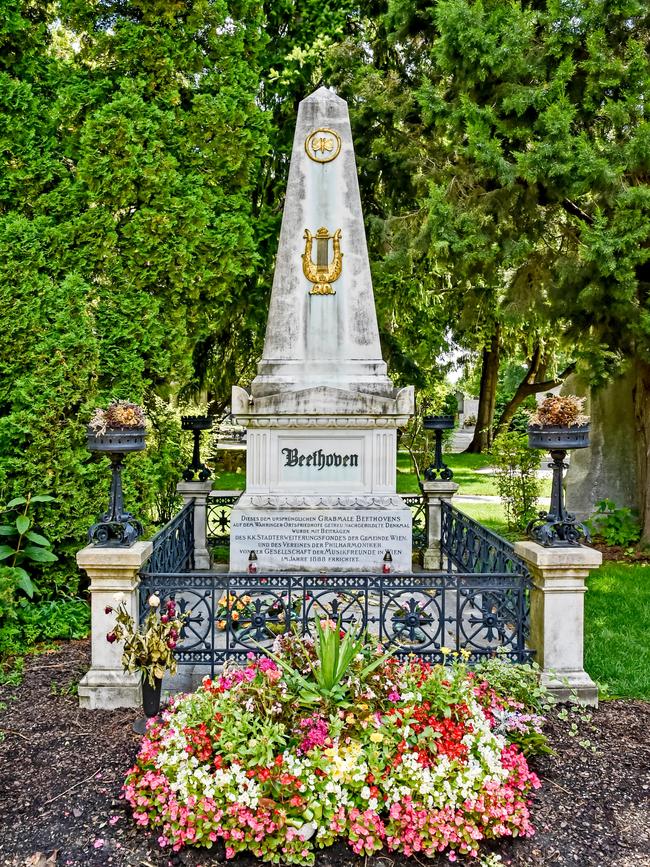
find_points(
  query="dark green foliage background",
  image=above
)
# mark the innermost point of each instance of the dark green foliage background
(130, 143)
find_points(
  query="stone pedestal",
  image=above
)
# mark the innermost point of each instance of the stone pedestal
(557, 616)
(114, 578)
(434, 493)
(199, 492)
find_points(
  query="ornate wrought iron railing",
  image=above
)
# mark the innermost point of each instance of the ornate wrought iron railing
(470, 547)
(416, 503)
(218, 517)
(220, 506)
(173, 546)
(426, 614)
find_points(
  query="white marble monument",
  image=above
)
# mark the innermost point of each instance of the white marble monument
(322, 413)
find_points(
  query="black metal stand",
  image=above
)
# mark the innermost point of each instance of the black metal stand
(557, 528)
(196, 424)
(438, 423)
(115, 527)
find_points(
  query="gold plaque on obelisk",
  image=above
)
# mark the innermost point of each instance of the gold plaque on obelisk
(323, 145)
(322, 273)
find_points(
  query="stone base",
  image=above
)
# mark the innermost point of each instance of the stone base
(107, 690)
(320, 539)
(202, 558)
(571, 685)
(431, 559)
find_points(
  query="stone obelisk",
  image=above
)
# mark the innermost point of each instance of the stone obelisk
(322, 414)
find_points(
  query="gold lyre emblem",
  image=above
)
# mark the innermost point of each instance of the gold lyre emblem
(323, 145)
(322, 273)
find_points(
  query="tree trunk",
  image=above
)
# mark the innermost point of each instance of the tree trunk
(642, 417)
(482, 438)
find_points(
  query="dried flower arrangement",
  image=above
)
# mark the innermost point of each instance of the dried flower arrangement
(120, 414)
(560, 411)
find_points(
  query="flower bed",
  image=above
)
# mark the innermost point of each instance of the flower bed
(288, 754)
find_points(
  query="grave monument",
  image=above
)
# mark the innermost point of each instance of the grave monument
(322, 414)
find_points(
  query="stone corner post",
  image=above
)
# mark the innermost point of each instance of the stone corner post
(434, 494)
(114, 578)
(199, 492)
(557, 616)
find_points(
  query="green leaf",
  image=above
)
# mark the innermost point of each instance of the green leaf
(43, 498)
(6, 551)
(22, 524)
(7, 530)
(39, 555)
(37, 539)
(17, 501)
(24, 582)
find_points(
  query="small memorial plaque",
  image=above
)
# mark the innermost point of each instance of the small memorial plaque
(331, 540)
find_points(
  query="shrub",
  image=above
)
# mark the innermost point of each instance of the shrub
(516, 477)
(615, 526)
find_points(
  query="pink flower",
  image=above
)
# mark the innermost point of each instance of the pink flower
(98, 843)
(394, 695)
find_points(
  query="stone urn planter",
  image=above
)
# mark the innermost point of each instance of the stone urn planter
(557, 528)
(105, 435)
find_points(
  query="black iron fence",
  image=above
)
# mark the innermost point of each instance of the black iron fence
(428, 614)
(218, 517)
(470, 547)
(173, 546)
(479, 603)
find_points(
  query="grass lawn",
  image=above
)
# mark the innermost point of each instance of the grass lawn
(617, 626)
(224, 481)
(466, 474)
(490, 515)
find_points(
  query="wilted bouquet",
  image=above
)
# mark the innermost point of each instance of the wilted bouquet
(149, 647)
(120, 414)
(561, 411)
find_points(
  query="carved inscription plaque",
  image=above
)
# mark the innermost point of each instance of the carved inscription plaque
(329, 540)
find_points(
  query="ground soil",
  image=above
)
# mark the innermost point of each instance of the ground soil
(620, 553)
(61, 770)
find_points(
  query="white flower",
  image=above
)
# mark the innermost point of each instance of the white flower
(154, 601)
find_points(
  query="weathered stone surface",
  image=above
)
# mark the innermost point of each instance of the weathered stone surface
(557, 616)
(322, 414)
(114, 578)
(607, 469)
(315, 340)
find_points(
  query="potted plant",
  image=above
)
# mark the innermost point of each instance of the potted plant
(115, 431)
(558, 425)
(149, 646)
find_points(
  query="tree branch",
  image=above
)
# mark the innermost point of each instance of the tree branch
(571, 208)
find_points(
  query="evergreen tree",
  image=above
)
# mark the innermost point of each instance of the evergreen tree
(130, 140)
